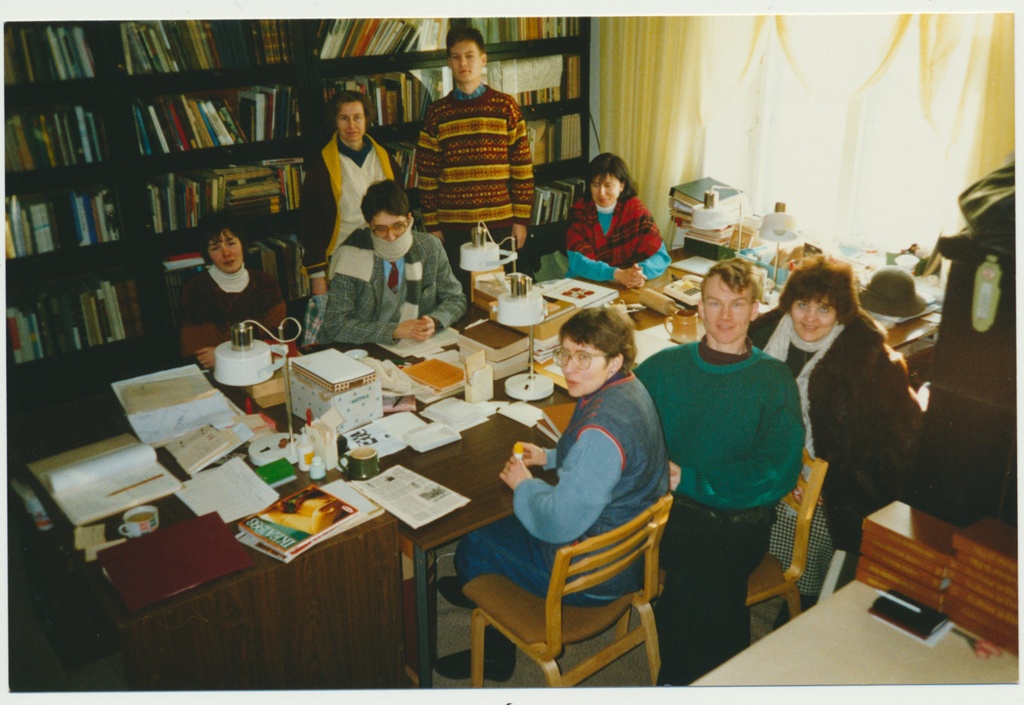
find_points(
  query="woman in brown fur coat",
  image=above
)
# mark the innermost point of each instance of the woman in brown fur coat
(860, 412)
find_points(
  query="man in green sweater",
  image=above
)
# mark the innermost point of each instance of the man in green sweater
(732, 423)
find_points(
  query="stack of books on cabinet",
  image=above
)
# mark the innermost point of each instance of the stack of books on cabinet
(905, 549)
(57, 317)
(982, 594)
(726, 239)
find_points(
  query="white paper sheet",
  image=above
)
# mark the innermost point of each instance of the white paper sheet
(232, 490)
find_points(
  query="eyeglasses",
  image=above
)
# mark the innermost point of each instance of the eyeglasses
(580, 358)
(397, 228)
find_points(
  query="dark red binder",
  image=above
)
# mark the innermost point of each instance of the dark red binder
(173, 559)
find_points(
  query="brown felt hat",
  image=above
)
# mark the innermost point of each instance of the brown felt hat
(892, 293)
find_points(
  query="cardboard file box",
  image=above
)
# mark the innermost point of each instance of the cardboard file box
(329, 379)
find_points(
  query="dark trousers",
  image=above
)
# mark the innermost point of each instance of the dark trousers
(702, 616)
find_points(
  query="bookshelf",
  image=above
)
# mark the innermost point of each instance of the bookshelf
(122, 134)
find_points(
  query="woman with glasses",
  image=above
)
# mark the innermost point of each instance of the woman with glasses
(860, 413)
(612, 236)
(226, 293)
(611, 464)
(390, 282)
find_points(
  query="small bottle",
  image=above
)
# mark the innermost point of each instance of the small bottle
(317, 469)
(32, 505)
(517, 450)
(305, 449)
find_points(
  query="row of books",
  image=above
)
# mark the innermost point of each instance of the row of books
(396, 96)
(277, 256)
(57, 317)
(181, 123)
(552, 201)
(177, 201)
(970, 573)
(35, 221)
(537, 80)
(555, 139)
(515, 29)
(57, 136)
(34, 53)
(170, 46)
(405, 155)
(376, 36)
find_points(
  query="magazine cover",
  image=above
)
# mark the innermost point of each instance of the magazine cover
(294, 522)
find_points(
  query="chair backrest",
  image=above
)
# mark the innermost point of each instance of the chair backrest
(804, 499)
(591, 562)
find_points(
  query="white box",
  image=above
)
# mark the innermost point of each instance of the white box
(359, 400)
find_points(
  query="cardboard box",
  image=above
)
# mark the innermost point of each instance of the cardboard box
(357, 405)
(269, 393)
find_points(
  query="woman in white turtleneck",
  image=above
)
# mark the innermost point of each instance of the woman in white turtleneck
(225, 293)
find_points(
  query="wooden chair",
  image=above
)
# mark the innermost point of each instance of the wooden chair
(541, 626)
(770, 579)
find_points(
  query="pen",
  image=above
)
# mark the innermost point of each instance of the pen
(475, 323)
(130, 487)
(897, 600)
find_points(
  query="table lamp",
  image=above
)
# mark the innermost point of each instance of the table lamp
(778, 227)
(522, 306)
(244, 361)
(710, 215)
(483, 254)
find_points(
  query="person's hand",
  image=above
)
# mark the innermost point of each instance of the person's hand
(515, 472)
(534, 455)
(519, 233)
(318, 285)
(416, 328)
(675, 474)
(438, 234)
(631, 277)
(205, 357)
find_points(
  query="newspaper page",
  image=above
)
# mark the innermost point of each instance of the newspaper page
(412, 498)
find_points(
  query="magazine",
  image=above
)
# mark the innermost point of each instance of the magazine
(411, 497)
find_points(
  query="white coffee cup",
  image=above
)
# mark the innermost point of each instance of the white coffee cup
(140, 520)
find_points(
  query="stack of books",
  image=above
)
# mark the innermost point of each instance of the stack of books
(907, 550)
(505, 349)
(982, 595)
(684, 198)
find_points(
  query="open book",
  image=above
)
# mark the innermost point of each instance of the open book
(92, 482)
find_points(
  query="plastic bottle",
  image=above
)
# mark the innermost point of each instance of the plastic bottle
(305, 448)
(317, 469)
(32, 505)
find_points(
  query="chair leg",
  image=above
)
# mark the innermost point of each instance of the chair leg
(476, 667)
(793, 600)
(552, 673)
(650, 628)
(622, 626)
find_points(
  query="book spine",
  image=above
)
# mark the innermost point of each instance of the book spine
(1004, 610)
(965, 548)
(909, 564)
(873, 531)
(982, 581)
(983, 624)
(986, 567)
(876, 576)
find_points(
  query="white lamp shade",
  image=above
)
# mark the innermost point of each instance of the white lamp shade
(778, 227)
(521, 310)
(484, 258)
(237, 368)
(715, 218)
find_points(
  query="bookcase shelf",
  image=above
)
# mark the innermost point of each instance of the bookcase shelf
(140, 251)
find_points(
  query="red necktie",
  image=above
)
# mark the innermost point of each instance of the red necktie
(393, 277)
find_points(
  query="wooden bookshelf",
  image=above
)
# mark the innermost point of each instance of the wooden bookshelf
(91, 202)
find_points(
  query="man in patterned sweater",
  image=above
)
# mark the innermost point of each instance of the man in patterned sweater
(473, 156)
(734, 431)
(390, 282)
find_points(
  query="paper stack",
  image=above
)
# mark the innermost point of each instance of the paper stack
(456, 414)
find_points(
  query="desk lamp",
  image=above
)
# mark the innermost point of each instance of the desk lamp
(778, 227)
(483, 254)
(522, 306)
(710, 215)
(244, 361)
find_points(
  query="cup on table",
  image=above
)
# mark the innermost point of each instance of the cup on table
(140, 520)
(682, 326)
(361, 463)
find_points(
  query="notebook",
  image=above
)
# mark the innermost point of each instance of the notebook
(173, 559)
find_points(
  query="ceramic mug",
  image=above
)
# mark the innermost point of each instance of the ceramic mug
(361, 463)
(140, 520)
(682, 326)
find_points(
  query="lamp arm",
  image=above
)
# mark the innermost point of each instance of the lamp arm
(280, 329)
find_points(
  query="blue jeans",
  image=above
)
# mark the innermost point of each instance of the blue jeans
(507, 548)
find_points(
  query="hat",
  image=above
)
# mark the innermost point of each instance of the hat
(892, 293)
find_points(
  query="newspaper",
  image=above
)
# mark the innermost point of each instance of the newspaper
(412, 498)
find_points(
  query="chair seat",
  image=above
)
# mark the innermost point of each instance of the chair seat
(522, 612)
(767, 576)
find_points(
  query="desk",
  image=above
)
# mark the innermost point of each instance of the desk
(838, 643)
(330, 619)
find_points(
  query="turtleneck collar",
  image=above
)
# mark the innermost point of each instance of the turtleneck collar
(230, 283)
(356, 155)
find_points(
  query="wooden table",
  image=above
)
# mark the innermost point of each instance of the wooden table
(838, 643)
(330, 619)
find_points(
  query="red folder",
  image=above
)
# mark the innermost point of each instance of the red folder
(173, 559)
